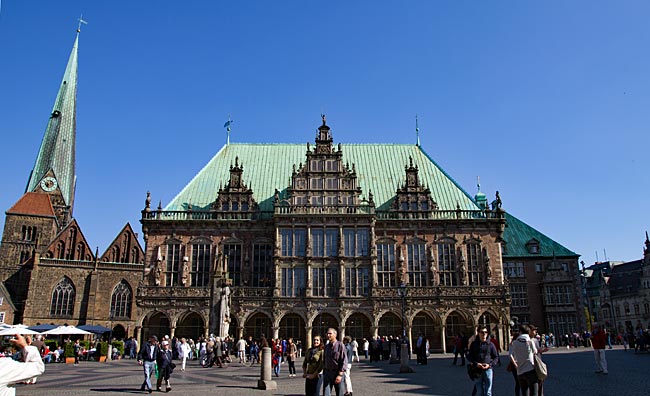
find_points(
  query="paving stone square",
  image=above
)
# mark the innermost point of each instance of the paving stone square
(571, 372)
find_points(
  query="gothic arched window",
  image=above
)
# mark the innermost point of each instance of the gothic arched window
(63, 298)
(121, 301)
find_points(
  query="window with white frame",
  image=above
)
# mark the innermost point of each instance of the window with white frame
(293, 282)
(447, 264)
(172, 272)
(513, 270)
(519, 295)
(356, 281)
(474, 267)
(386, 265)
(201, 259)
(417, 264)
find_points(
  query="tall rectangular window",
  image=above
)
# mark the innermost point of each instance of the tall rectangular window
(356, 282)
(331, 242)
(417, 264)
(286, 234)
(356, 242)
(386, 265)
(172, 273)
(519, 294)
(293, 242)
(262, 265)
(363, 241)
(349, 242)
(201, 259)
(233, 252)
(317, 242)
(325, 282)
(474, 267)
(447, 264)
(293, 282)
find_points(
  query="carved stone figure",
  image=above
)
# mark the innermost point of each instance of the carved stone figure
(224, 311)
(185, 279)
(462, 270)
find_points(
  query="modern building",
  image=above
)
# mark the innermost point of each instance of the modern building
(287, 240)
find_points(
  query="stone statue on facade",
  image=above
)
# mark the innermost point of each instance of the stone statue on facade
(185, 279)
(224, 311)
(462, 270)
(488, 269)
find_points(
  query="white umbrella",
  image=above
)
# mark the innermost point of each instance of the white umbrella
(17, 329)
(64, 330)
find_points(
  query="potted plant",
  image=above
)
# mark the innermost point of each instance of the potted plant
(102, 350)
(68, 352)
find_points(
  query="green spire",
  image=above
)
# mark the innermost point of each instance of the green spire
(57, 152)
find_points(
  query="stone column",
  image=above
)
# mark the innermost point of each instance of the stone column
(341, 332)
(404, 357)
(375, 331)
(309, 338)
(265, 382)
(172, 330)
(443, 340)
(276, 332)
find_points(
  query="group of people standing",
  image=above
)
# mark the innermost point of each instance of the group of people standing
(327, 366)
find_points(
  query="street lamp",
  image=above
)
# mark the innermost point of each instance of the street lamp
(402, 291)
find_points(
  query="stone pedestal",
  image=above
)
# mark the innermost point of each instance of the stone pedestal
(404, 355)
(393, 353)
(109, 356)
(265, 382)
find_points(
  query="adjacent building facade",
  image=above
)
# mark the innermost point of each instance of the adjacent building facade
(287, 240)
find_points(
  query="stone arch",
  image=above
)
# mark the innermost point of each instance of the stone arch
(118, 332)
(429, 324)
(155, 323)
(358, 325)
(258, 324)
(457, 322)
(390, 324)
(323, 321)
(293, 325)
(190, 325)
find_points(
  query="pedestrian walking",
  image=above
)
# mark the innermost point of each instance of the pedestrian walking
(165, 366)
(599, 340)
(147, 358)
(292, 352)
(522, 352)
(184, 351)
(483, 357)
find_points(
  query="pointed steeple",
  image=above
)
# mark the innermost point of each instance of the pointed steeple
(56, 157)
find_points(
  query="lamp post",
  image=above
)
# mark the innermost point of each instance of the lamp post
(402, 292)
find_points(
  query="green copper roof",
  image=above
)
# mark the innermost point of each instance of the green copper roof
(379, 167)
(518, 234)
(57, 150)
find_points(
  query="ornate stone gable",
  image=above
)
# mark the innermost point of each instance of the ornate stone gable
(235, 196)
(125, 248)
(324, 180)
(413, 197)
(70, 244)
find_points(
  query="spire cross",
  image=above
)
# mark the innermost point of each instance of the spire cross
(81, 21)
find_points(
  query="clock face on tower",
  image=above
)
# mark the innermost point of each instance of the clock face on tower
(49, 184)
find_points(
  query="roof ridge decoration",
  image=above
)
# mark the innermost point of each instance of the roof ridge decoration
(57, 151)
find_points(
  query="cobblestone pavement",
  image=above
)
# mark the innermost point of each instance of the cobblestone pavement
(570, 373)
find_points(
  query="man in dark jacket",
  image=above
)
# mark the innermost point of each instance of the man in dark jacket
(147, 358)
(483, 357)
(334, 364)
(165, 366)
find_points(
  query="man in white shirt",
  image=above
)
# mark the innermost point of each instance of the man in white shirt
(12, 371)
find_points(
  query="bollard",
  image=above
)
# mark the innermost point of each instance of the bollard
(393, 353)
(109, 355)
(265, 382)
(404, 355)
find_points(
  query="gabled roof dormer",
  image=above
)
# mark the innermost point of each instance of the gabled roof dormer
(125, 248)
(235, 195)
(413, 197)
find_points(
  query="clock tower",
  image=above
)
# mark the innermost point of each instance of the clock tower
(33, 222)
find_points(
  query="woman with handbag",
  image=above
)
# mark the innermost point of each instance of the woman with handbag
(522, 352)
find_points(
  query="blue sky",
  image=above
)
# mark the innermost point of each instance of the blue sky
(548, 102)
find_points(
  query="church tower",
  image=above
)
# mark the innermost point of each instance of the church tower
(46, 207)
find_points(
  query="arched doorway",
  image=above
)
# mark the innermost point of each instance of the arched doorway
(233, 328)
(358, 326)
(491, 322)
(322, 322)
(457, 324)
(390, 325)
(157, 324)
(292, 325)
(191, 326)
(118, 332)
(257, 326)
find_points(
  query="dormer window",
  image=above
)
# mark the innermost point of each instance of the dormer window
(533, 246)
